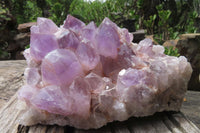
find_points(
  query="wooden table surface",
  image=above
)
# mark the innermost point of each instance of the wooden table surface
(11, 79)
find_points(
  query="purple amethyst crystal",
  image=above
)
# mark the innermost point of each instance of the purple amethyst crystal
(86, 76)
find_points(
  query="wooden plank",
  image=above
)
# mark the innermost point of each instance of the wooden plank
(141, 125)
(33, 130)
(8, 118)
(158, 123)
(22, 129)
(191, 107)
(48, 129)
(120, 127)
(105, 129)
(2, 102)
(171, 126)
(11, 78)
(183, 123)
(44, 129)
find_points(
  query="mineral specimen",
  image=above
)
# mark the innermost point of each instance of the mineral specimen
(86, 76)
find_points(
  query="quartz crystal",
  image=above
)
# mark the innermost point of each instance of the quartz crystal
(86, 76)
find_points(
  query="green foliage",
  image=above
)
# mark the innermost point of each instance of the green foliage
(168, 27)
(163, 23)
(140, 4)
(162, 29)
(166, 21)
(172, 51)
(150, 24)
(190, 28)
(4, 16)
(27, 46)
(117, 11)
(159, 38)
(25, 11)
(163, 15)
(90, 11)
(172, 33)
(196, 5)
(3, 53)
(3, 13)
(58, 10)
(31, 11)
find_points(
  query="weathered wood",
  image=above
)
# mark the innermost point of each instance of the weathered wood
(11, 79)
(183, 123)
(141, 126)
(8, 116)
(2, 102)
(44, 129)
(105, 129)
(159, 125)
(120, 127)
(173, 128)
(151, 124)
(191, 107)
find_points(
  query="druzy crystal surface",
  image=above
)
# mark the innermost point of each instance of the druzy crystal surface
(86, 76)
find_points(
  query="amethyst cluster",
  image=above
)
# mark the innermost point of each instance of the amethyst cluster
(86, 76)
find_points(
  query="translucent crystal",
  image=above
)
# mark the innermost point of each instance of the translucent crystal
(73, 24)
(88, 57)
(86, 76)
(107, 39)
(60, 67)
(42, 44)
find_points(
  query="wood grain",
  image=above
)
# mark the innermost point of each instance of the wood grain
(11, 78)
(191, 107)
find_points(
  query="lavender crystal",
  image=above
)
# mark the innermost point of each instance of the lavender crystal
(86, 76)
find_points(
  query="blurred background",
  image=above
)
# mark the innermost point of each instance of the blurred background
(164, 19)
(166, 22)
